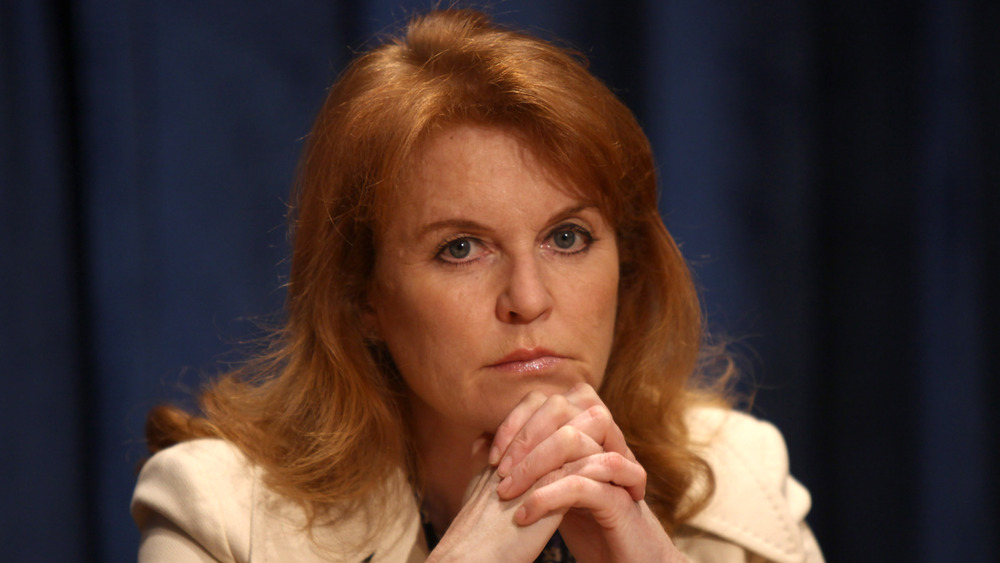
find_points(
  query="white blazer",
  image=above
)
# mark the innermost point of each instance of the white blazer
(202, 500)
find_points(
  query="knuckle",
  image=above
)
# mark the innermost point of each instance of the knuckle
(525, 467)
(613, 461)
(521, 441)
(586, 393)
(575, 483)
(600, 414)
(575, 439)
(568, 433)
(619, 466)
(552, 477)
(506, 427)
(559, 403)
(534, 397)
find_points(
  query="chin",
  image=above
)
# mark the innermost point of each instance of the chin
(503, 402)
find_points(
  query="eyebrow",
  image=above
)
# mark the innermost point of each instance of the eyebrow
(458, 224)
(469, 225)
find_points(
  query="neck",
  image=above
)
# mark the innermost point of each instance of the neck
(446, 463)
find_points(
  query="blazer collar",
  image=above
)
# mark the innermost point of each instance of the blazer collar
(756, 503)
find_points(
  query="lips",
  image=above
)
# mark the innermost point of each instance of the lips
(528, 360)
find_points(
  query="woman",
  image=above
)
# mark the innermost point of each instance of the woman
(490, 348)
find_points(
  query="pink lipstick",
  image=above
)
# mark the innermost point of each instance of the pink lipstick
(527, 361)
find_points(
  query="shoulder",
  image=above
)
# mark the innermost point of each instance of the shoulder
(201, 490)
(756, 504)
(203, 499)
(737, 440)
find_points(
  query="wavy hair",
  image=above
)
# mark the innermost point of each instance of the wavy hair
(322, 411)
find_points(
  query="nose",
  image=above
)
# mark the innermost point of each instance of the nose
(525, 295)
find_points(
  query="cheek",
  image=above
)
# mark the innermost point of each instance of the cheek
(603, 311)
(427, 323)
(607, 315)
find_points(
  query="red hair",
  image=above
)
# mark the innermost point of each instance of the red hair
(322, 412)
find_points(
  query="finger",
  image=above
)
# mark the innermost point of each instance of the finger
(598, 423)
(564, 446)
(608, 504)
(485, 526)
(546, 419)
(615, 469)
(605, 467)
(583, 395)
(513, 424)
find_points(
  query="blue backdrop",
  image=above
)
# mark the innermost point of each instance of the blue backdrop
(830, 167)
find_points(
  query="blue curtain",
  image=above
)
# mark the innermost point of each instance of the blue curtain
(830, 167)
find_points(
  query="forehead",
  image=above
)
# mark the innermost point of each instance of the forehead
(471, 155)
(468, 164)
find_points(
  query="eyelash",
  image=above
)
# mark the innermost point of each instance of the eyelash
(588, 237)
(443, 248)
(588, 241)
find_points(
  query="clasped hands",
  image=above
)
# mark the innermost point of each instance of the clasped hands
(558, 462)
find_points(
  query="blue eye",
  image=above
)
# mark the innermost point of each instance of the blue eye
(459, 248)
(570, 239)
(564, 239)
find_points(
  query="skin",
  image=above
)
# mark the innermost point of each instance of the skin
(495, 291)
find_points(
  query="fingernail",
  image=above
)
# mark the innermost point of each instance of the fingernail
(521, 514)
(494, 455)
(504, 485)
(504, 466)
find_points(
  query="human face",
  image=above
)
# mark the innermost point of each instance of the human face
(491, 280)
